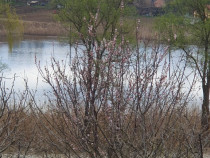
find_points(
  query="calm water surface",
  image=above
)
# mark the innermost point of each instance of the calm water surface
(21, 62)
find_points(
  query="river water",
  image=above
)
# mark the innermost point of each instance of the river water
(21, 62)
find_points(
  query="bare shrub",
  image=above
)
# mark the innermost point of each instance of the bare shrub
(120, 104)
(10, 119)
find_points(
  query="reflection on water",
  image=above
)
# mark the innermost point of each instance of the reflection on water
(21, 61)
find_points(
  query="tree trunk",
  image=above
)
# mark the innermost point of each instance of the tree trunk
(206, 88)
(205, 108)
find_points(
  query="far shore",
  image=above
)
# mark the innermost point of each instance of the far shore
(55, 29)
(40, 29)
(42, 22)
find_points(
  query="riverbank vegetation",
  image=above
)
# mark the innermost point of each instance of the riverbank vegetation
(114, 99)
(138, 110)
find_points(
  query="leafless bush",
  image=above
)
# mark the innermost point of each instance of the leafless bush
(120, 103)
(16, 122)
(8, 119)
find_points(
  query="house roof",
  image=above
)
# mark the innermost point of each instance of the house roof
(159, 3)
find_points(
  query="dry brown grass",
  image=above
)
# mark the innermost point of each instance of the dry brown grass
(46, 132)
(43, 28)
(147, 28)
(40, 29)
